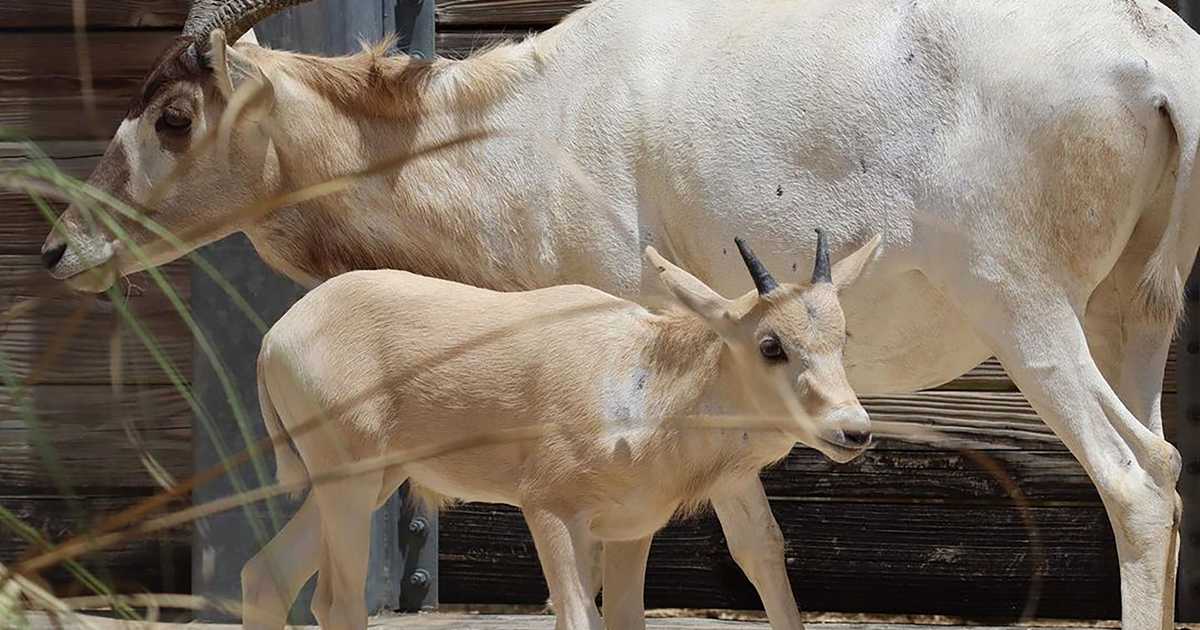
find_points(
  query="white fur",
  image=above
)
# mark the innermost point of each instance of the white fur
(1041, 211)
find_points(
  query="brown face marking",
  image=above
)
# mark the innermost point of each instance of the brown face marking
(112, 173)
(176, 64)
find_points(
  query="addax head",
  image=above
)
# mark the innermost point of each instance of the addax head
(789, 339)
(190, 156)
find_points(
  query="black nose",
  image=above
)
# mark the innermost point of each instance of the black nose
(50, 257)
(856, 438)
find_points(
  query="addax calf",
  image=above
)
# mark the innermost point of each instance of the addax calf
(640, 415)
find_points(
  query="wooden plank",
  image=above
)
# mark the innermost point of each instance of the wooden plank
(974, 561)
(1187, 439)
(483, 13)
(41, 90)
(87, 357)
(990, 376)
(459, 44)
(25, 277)
(100, 14)
(156, 565)
(967, 477)
(85, 427)
(24, 227)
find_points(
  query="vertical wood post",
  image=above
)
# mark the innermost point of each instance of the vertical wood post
(224, 542)
(1187, 440)
(1187, 433)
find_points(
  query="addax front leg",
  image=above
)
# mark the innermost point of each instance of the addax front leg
(625, 584)
(564, 550)
(757, 546)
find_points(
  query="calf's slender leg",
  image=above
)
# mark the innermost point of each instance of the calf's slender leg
(625, 583)
(346, 508)
(564, 549)
(757, 546)
(274, 576)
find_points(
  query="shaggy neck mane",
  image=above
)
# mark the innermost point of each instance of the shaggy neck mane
(375, 83)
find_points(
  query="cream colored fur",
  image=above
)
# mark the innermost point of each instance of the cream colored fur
(1041, 212)
(639, 415)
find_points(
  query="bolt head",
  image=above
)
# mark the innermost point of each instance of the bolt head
(420, 578)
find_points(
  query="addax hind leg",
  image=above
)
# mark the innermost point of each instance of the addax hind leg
(274, 576)
(346, 508)
(1034, 329)
(1131, 347)
(1129, 344)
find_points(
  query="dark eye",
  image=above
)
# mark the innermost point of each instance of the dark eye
(771, 349)
(174, 122)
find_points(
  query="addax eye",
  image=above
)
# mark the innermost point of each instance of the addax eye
(174, 122)
(771, 349)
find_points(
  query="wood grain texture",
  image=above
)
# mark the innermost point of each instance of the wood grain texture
(42, 87)
(974, 561)
(99, 438)
(459, 44)
(156, 564)
(99, 14)
(476, 13)
(87, 356)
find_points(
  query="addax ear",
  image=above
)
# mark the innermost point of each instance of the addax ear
(234, 71)
(847, 270)
(689, 290)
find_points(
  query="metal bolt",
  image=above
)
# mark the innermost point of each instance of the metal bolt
(1193, 413)
(420, 578)
(418, 526)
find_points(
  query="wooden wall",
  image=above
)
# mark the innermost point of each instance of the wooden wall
(905, 529)
(42, 97)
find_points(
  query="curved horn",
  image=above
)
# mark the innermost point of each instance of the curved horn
(235, 17)
(197, 14)
(762, 278)
(821, 269)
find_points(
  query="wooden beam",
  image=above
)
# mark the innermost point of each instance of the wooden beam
(1187, 440)
(921, 557)
(42, 90)
(155, 564)
(99, 14)
(87, 428)
(476, 13)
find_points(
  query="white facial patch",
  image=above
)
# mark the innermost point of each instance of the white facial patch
(149, 162)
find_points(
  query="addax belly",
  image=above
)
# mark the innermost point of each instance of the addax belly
(905, 336)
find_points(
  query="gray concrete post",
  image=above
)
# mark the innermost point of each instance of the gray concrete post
(401, 562)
